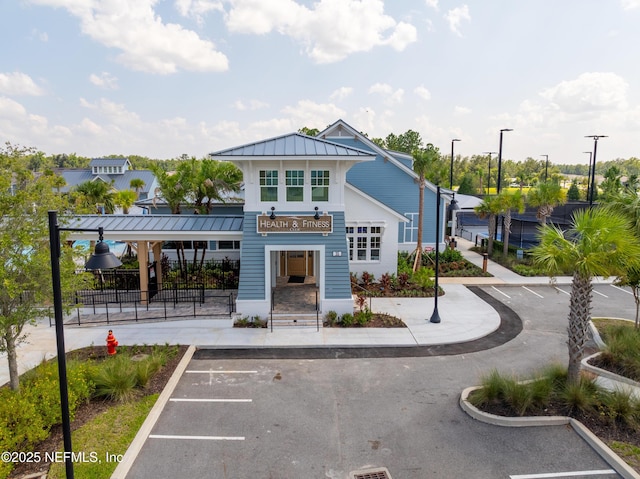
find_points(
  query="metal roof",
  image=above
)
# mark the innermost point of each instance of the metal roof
(108, 162)
(294, 144)
(153, 227)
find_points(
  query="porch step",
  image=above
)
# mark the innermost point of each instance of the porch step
(296, 320)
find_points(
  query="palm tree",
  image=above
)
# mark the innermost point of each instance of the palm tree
(95, 195)
(546, 196)
(423, 159)
(600, 242)
(490, 208)
(509, 201)
(126, 199)
(137, 184)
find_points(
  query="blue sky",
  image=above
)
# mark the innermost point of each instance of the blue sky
(165, 78)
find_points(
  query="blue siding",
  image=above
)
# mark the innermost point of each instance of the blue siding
(252, 273)
(392, 186)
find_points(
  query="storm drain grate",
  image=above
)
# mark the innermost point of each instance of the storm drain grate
(377, 473)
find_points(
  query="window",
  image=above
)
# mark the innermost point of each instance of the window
(320, 185)
(185, 244)
(295, 185)
(268, 185)
(364, 242)
(232, 245)
(411, 228)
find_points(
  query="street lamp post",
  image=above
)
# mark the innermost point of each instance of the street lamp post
(593, 175)
(435, 317)
(489, 175)
(546, 168)
(588, 173)
(500, 158)
(451, 169)
(101, 259)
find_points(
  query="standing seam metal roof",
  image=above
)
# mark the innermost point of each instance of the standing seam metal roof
(294, 144)
(172, 223)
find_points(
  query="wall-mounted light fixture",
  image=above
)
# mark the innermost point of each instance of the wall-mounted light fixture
(273, 213)
(317, 215)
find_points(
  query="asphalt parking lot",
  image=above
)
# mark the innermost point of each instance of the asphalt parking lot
(323, 418)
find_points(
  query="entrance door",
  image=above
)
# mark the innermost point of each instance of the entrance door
(296, 263)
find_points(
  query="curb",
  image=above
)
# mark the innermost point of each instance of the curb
(596, 444)
(136, 445)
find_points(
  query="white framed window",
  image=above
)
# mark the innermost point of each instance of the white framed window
(411, 228)
(364, 243)
(268, 185)
(229, 245)
(294, 180)
(319, 185)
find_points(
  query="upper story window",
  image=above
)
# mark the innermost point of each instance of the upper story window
(319, 185)
(295, 185)
(268, 185)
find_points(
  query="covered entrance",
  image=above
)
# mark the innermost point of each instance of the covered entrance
(296, 263)
(294, 281)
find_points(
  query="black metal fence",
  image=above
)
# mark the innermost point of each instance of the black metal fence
(213, 274)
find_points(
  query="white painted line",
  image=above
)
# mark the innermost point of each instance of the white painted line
(533, 292)
(562, 291)
(504, 294)
(600, 472)
(198, 438)
(622, 289)
(598, 292)
(211, 371)
(209, 400)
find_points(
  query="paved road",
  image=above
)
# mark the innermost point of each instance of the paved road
(322, 418)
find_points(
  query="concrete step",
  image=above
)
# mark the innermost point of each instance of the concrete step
(296, 320)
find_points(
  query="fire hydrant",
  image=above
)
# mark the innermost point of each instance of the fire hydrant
(112, 342)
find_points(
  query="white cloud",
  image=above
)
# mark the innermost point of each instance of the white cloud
(104, 80)
(331, 31)
(312, 115)
(589, 92)
(341, 93)
(432, 3)
(198, 8)
(147, 44)
(17, 83)
(391, 96)
(455, 18)
(422, 92)
(630, 4)
(461, 110)
(251, 105)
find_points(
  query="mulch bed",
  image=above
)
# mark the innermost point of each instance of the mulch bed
(86, 412)
(379, 320)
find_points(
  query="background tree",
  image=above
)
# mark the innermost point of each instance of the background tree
(93, 196)
(137, 184)
(600, 242)
(466, 185)
(25, 272)
(574, 192)
(612, 184)
(546, 196)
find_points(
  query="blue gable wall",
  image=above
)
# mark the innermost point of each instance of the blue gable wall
(392, 186)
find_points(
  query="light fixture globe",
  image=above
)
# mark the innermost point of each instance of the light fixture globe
(102, 258)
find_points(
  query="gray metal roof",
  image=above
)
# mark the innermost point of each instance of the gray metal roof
(294, 144)
(108, 162)
(153, 227)
(120, 181)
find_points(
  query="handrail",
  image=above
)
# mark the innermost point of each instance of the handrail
(317, 313)
(273, 296)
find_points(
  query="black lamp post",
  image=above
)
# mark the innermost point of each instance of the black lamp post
(451, 169)
(489, 175)
(593, 175)
(101, 259)
(546, 168)
(435, 317)
(500, 158)
(589, 173)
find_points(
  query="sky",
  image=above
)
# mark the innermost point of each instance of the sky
(165, 78)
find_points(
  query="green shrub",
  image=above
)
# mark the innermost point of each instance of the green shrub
(331, 318)
(580, 396)
(115, 379)
(424, 278)
(619, 407)
(347, 319)
(363, 317)
(492, 387)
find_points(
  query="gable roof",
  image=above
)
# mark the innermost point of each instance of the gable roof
(109, 162)
(295, 145)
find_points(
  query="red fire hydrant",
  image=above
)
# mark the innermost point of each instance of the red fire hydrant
(111, 343)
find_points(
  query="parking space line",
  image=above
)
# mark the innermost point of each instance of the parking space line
(197, 438)
(599, 472)
(504, 294)
(533, 292)
(208, 400)
(601, 294)
(621, 289)
(562, 291)
(211, 371)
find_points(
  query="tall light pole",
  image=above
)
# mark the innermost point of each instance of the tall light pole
(101, 259)
(489, 175)
(593, 176)
(546, 168)
(435, 317)
(500, 158)
(588, 173)
(451, 169)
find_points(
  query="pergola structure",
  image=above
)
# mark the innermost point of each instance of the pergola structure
(147, 233)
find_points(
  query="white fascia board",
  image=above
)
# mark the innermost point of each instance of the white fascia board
(157, 235)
